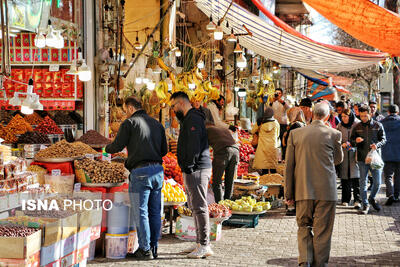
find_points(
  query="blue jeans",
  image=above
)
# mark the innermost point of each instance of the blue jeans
(145, 195)
(376, 181)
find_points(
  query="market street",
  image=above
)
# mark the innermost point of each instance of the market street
(358, 240)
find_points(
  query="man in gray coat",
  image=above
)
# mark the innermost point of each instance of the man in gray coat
(311, 156)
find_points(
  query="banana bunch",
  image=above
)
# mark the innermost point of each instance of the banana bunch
(162, 92)
(199, 94)
(213, 92)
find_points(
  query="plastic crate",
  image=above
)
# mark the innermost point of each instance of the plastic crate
(248, 221)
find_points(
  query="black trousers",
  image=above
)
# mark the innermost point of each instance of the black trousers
(347, 186)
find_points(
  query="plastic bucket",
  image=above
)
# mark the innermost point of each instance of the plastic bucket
(118, 219)
(116, 246)
(63, 184)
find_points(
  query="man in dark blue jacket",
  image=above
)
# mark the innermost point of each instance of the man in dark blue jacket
(194, 160)
(391, 154)
(144, 137)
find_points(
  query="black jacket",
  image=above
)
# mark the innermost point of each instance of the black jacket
(193, 150)
(144, 137)
(372, 133)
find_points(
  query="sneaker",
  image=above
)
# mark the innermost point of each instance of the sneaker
(154, 252)
(364, 210)
(190, 249)
(344, 204)
(140, 254)
(201, 252)
(389, 201)
(374, 204)
(357, 205)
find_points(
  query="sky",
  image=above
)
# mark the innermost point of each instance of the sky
(322, 29)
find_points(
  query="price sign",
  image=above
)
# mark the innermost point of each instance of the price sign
(106, 157)
(56, 172)
(54, 68)
(77, 187)
(43, 147)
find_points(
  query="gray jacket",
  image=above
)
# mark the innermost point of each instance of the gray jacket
(349, 167)
(311, 155)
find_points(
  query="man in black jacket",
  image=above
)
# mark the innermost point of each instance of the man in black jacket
(144, 137)
(366, 136)
(194, 160)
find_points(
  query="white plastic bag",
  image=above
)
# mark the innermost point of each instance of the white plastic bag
(374, 159)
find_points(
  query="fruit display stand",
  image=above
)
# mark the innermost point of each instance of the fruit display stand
(173, 197)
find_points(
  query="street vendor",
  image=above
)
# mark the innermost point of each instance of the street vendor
(145, 139)
(207, 113)
(216, 107)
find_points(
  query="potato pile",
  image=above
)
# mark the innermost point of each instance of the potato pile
(102, 171)
(63, 149)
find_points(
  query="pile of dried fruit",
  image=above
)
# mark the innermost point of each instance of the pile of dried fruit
(18, 125)
(102, 171)
(48, 126)
(61, 118)
(92, 137)
(33, 119)
(5, 117)
(8, 136)
(63, 149)
(33, 138)
(11, 230)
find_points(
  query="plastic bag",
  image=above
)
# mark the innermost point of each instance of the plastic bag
(374, 159)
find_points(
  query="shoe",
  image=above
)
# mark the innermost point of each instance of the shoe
(140, 254)
(389, 201)
(364, 210)
(154, 252)
(190, 249)
(357, 205)
(305, 264)
(291, 212)
(201, 252)
(344, 204)
(374, 204)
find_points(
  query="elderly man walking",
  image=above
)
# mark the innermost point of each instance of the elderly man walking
(311, 156)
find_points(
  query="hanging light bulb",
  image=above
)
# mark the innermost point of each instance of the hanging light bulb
(218, 32)
(200, 65)
(238, 49)
(192, 86)
(217, 58)
(218, 67)
(237, 87)
(137, 44)
(241, 62)
(138, 80)
(265, 82)
(231, 37)
(84, 72)
(178, 52)
(151, 85)
(73, 69)
(36, 105)
(40, 40)
(210, 26)
(50, 37)
(242, 92)
(26, 110)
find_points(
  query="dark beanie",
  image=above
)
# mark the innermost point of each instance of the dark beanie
(306, 102)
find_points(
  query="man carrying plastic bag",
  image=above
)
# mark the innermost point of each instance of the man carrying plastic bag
(368, 136)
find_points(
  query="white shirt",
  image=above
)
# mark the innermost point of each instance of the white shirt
(280, 112)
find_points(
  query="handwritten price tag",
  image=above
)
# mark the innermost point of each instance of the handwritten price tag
(89, 156)
(56, 172)
(54, 67)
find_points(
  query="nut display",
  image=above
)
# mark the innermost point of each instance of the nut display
(18, 125)
(102, 171)
(39, 171)
(33, 119)
(274, 178)
(63, 149)
(94, 138)
(33, 138)
(48, 126)
(49, 213)
(8, 136)
(10, 230)
(61, 118)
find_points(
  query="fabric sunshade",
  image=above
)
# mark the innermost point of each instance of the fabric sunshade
(364, 20)
(280, 46)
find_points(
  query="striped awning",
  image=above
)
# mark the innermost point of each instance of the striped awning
(280, 46)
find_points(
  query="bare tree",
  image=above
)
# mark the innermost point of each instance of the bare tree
(366, 77)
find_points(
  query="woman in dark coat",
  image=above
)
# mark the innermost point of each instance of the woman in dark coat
(348, 170)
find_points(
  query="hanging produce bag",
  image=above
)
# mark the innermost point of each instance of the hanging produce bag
(374, 159)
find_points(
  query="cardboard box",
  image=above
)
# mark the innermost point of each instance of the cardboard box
(95, 232)
(20, 247)
(50, 254)
(186, 230)
(83, 238)
(82, 254)
(51, 228)
(68, 245)
(32, 261)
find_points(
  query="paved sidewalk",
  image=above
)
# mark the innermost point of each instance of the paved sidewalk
(358, 240)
